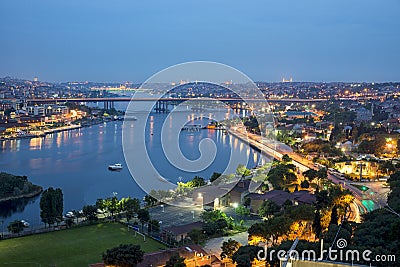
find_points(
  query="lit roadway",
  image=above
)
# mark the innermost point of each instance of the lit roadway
(277, 150)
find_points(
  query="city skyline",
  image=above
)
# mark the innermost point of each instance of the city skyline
(268, 41)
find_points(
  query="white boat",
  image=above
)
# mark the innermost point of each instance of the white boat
(115, 167)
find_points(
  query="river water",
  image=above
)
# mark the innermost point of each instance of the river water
(76, 161)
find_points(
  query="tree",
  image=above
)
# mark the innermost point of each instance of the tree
(229, 247)
(278, 226)
(100, 204)
(242, 170)
(197, 181)
(215, 221)
(69, 222)
(317, 224)
(286, 158)
(300, 212)
(245, 255)
(311, 174)
(215, 176)
(334, 216)
(322, 173)
(15, 227)
(12, 185)
(127, 255)
(387, 167)
(175, 261)
(153, 226)
(212, 215)
(196, 235)
(268, 208)
(51, 206)
(150, 201)
(242, 211)
(130, 206)
(215, 227)
(282, 175)
(305, 184)
(143, 216)
(111, 204)
(272, 228)
(90, 213)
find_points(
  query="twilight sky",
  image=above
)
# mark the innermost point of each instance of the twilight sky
(128, 40)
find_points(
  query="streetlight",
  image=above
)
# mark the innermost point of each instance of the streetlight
(162, 206)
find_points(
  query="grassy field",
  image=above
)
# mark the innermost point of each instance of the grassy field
(74, 247)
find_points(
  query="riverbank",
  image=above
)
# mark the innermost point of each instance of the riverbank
(43, 133)
(77, 163)
(37, 191)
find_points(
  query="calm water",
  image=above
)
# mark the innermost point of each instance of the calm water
(77, 161)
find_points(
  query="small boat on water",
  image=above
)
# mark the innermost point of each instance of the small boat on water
(115, 167)
(129, 117)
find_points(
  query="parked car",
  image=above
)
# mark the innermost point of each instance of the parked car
(70, 214)
(26, 224)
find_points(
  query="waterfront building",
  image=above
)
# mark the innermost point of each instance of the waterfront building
(36, 110)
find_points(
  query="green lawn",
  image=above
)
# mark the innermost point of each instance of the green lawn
(74, 247)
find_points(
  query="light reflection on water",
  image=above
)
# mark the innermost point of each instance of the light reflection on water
(77, 161)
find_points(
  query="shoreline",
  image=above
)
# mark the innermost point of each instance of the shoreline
(35, 193)
(57, 130)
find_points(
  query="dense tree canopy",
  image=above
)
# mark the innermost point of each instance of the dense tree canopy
(197, 181)
(242, 170)
(244, 256)
(175, 261)
(215, 221)
(123, 255)
(229, 247)
(282, 175)
(215, 176)
(51, 206)
(150, 201)
(197, 235)
(143, 216)
(13, 186)
(268, 208)
(90, 212)
(15, 227)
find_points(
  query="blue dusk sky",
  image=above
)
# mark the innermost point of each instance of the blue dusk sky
(129, 40)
